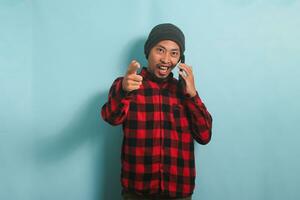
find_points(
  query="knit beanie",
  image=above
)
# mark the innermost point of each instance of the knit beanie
(165, 31)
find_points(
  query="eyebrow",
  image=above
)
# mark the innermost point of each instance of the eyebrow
(176, 49)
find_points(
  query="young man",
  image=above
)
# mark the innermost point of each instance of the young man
(161, 118)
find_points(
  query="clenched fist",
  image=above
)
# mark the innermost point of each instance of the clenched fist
(132, 81)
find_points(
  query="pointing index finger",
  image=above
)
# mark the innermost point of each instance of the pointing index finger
(133, 67)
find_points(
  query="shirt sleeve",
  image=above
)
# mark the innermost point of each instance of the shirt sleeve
(200, 119)
(115, 110)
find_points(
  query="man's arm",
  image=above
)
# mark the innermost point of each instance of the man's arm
(200, 119)
(114, 111)
(117, 106)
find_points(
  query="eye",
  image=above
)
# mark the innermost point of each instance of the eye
(174, 53)
(160, 50)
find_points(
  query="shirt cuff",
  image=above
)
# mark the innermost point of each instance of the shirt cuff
(195, 99)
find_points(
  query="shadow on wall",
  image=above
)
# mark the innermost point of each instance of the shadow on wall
(105, 141)
(134, 52)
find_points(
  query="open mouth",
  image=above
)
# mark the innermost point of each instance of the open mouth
(163, 70)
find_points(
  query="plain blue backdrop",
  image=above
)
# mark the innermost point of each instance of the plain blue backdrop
(58, 59)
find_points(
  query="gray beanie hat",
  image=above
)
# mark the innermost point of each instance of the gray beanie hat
(165, 31)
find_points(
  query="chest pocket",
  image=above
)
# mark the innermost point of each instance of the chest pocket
(179, 117)
(182, 122)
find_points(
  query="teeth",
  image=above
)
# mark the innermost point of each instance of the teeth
(163, 68)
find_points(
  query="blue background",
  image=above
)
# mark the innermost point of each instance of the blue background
(58, 59)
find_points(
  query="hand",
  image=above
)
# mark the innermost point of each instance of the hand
(132, 81)
(188, 78)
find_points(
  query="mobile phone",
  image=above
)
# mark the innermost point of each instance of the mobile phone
(181, 81)
(177, 65)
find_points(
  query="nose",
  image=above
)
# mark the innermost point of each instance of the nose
(166, 58)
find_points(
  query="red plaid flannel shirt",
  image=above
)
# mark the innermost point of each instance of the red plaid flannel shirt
(160, 125)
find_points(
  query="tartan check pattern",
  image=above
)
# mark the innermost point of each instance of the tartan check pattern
(160, 125)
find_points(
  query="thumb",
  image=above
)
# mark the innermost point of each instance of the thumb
(133, 67)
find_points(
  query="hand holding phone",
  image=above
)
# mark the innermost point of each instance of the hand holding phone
(186, 79)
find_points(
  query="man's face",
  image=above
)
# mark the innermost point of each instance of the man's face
(163, 57)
